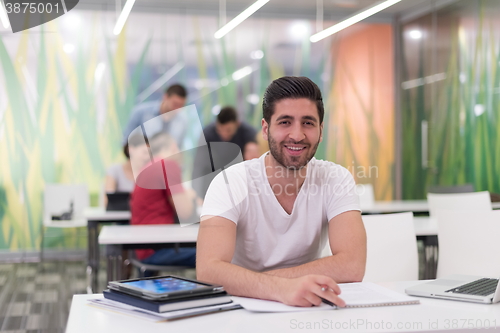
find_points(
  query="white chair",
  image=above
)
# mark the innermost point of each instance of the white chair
(59, 199)
(450, 201)
(469, 242)
(366, 195)
(392, 253)
(458, 201)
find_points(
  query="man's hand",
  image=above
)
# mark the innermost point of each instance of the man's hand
(307, 290)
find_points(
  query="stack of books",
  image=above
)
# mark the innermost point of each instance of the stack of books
(165, 297)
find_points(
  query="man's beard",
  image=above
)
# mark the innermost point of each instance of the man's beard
(294, 162)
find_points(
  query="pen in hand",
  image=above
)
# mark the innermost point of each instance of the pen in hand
(324, 300)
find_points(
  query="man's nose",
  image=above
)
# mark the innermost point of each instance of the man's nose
(296, 133)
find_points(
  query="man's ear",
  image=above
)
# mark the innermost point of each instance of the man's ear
(321, 132)
(265, 129)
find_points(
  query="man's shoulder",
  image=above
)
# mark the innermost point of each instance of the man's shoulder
(210, 132)
(246, 127)
(327, 169)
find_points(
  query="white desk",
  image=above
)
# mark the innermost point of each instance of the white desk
(95, 216)
(430, 315)
(120, 237)
(395, 206)
(425, 226)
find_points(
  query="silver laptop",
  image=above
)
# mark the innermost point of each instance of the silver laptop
(459, 288)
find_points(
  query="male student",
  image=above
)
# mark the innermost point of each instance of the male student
(226, 128)
(171, 122)
(266, 244)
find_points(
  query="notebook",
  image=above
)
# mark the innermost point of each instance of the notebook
(356, 295)
(170, 305)
(466, 288)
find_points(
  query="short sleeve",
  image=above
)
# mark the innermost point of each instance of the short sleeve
(226, 194)
(112, 171)
(343, 195)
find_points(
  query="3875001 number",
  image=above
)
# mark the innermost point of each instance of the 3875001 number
(31, 7)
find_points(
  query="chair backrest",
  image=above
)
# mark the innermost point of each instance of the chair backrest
(465, 188)
(58, 197)
(469, 242)
(392, 253)
(458, 201)
(366, 195)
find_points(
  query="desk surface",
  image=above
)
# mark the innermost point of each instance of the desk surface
(145, 234)
(425, 226)
(416, 206)
(430, 315)
(100, 214)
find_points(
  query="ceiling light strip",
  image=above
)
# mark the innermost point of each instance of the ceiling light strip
(3, 16)
(123, 17)
(240, 18)
(352, 20)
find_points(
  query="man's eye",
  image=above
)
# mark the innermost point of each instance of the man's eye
(284, 122)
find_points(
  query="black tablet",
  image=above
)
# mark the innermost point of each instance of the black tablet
(164, 287)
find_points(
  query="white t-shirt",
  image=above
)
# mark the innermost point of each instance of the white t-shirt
(267, 237)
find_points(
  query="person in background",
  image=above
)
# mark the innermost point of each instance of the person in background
(171, 122)
(120, 177)
(152, 201)
(226, 128)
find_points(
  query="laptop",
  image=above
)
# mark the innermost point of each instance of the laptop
(465, 288)
(118, 201)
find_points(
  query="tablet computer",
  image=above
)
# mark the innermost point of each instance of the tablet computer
(165, 287)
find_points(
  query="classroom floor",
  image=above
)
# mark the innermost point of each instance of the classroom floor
(36, 298)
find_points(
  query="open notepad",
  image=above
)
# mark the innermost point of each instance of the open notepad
(356, 295)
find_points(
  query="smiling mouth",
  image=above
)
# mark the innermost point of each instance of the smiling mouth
(295, 149)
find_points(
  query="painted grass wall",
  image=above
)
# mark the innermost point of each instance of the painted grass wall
(451, 84)
(62, 115)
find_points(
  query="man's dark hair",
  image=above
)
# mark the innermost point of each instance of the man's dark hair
(291, 87)
(176, 89)
(226, 115)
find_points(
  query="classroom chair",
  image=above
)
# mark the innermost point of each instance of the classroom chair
(63, 207)
(469, 242)
(392, 253)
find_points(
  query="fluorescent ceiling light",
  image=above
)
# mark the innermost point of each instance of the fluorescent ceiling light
(123, 17)
(257, 54)
(3, 16)
(241, 73)
(352, 20)
(68, 48)
(240, 18)
(416, 34)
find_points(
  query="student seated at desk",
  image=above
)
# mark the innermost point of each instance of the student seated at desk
(265, 221)
(152, 203)
(120, 177)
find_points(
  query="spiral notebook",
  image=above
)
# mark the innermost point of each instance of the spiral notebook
(356, 295)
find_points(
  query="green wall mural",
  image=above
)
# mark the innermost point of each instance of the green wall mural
(450, 90)
(66, 94)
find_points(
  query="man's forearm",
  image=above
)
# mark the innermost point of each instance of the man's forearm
(239, 281)
(339, 267)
